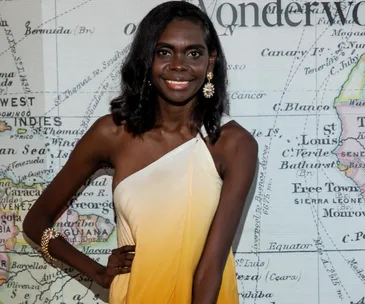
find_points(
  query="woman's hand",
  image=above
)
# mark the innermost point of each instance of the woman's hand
(119, 262)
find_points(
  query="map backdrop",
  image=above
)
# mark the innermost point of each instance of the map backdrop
(297, 83)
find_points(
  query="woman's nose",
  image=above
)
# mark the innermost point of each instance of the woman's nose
(177, 63)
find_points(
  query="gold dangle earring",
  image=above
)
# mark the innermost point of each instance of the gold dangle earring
(208, 89)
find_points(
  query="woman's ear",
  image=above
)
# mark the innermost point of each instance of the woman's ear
(212, 59)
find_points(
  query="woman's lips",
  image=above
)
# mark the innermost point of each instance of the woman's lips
(177, 85)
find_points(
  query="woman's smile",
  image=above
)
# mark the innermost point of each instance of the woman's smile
(177, 85)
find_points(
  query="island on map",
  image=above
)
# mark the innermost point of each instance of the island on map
(4, 126)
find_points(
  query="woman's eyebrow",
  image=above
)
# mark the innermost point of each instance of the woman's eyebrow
(191, 46)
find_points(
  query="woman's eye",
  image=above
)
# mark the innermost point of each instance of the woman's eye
(194, 54)
(163, 52)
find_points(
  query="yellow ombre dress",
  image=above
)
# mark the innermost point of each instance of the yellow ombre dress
(166, 210)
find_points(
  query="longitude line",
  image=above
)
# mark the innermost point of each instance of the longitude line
(58, 88)
(316, 101)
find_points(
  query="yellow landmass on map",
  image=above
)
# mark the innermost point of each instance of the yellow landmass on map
(4, 126)
(21, 131)
(7, 182)
(342, 167)
(352, 88)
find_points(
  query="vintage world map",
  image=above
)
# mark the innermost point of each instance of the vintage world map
(297, 83)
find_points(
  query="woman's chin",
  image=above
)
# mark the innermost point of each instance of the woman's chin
(179, 99)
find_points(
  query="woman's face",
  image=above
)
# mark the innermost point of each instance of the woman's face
(181, 62)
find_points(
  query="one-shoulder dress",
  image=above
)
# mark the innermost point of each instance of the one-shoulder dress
(166, 210)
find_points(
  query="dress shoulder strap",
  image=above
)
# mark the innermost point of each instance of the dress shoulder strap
(225, 119)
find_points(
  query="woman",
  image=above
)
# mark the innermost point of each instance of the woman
(182, 170)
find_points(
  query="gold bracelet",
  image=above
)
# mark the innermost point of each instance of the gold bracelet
(48, 234)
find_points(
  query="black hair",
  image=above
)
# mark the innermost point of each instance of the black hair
(137, 105)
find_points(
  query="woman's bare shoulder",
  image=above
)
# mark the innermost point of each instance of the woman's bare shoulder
(105, 126)
(233, 134)
(236, 143)
(102, 138)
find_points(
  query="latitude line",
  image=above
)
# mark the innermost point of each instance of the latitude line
(237, 252)
(299, 251)
(233, 116)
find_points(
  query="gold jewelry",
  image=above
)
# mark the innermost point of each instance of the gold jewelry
(208, 89)
(48, 234)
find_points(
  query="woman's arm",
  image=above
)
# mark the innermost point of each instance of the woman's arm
(239, 153)
(92, 150)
